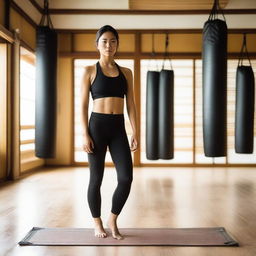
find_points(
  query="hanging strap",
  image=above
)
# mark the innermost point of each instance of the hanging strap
(46, 16)
(244, 53)
(216, 9)
(166, 54)
(153, 54)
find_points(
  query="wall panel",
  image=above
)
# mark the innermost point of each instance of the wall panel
(191, 43)
(27, 32)
(127, 43)
(64, 42)
(64, 113)
(2, 12)
(235, 42)
(84, 42)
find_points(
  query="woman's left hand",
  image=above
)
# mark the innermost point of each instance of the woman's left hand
(134, 143)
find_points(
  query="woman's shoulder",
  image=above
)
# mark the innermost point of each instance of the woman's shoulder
(127, 71)
(90, 72)
(90, 69)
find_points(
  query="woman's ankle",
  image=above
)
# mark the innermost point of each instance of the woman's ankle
(97, 221)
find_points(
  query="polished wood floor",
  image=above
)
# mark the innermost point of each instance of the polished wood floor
(160, 197)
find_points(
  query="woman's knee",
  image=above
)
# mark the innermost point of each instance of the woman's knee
(125, 179)
(95, 182)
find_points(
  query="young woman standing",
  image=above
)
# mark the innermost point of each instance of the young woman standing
(109, 85)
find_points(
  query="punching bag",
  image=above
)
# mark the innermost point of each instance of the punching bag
(152, 115)
(214, 87)
(46, 70)
(166, 115)
(245, 91)
(244, 121)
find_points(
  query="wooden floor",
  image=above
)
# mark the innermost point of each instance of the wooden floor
(160, 197)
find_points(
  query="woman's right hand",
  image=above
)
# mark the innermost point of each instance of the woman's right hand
(88, 144)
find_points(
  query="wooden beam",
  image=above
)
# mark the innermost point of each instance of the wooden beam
(145, 12)
(6, 34)
(7, 14)
(37, 6)
(173, 4)
(23, 14)
(157, 31)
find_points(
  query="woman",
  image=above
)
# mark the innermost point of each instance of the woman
(108, 84)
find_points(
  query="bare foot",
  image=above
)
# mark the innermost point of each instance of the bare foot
(113, 226)
(99, 230)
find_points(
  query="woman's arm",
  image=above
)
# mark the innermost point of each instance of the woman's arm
(131, 110)
(85, 90)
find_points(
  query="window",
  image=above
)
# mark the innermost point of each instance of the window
(27, 111)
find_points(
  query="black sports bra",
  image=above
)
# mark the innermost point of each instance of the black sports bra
(105, 86)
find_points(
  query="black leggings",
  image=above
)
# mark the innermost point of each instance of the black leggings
(109, 130)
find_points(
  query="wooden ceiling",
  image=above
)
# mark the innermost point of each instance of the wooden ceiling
(174, 4)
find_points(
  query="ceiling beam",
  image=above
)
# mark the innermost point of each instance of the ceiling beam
(36, 5)
(174, 4)
(23, 14)
(147, 12)
(156, 31)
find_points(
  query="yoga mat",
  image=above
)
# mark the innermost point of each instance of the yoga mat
(132, 236)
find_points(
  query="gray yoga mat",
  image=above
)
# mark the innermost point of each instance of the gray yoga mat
(132, 236)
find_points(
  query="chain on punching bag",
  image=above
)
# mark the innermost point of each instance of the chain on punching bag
(215, 84)
(244, 119)
(46, 70)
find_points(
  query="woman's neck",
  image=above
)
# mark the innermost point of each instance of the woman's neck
(105, 61)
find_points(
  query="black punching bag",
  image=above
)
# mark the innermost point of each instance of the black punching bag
(165, 119)
(152, 115)
(46, 69)
(244, 121)
(215, 87)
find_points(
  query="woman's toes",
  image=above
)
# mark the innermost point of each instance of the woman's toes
(117, 236)
(99, 232)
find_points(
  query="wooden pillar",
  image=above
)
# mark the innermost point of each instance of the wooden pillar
(15, 109)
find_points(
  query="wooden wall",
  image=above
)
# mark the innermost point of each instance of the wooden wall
(3, 110)
(65, 113)
(134, 45)
(2, 12)
(179, 42)
(27, 32)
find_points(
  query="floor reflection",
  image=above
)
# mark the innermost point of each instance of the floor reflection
(160, 197)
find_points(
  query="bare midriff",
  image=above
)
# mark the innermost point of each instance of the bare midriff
(109, 105)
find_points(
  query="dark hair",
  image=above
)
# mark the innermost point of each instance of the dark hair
(106, 28)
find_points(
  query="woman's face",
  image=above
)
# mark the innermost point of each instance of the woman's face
(107, 44)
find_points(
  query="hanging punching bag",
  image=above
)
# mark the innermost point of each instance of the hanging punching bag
(46, 69)
(215, 87)
(152, 115)
(165, 119)
(244, 119)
